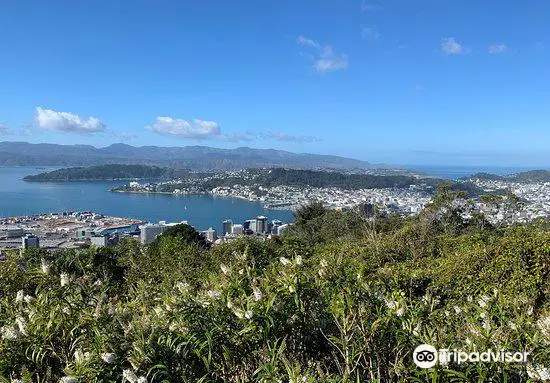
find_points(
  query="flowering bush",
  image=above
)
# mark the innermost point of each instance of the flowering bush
(287, 310)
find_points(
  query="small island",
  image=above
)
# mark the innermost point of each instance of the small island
(110, 172)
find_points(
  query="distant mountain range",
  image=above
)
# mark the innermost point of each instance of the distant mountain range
(201, 158)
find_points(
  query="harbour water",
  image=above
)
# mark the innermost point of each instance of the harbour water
(18, 197)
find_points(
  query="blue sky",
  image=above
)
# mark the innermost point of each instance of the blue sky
(403, 82)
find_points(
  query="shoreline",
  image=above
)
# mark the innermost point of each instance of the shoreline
(265, 204)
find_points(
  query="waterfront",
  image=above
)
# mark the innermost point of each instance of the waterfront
(19, 198)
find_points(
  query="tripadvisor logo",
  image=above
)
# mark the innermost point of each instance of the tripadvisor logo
(426, 356)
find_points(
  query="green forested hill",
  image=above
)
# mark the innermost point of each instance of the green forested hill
(529, 176)
(107, 172)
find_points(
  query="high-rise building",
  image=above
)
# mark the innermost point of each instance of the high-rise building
(150, 231)
(281, 229)
(237, 229)
(105, 240)
(210, 234)
(274, 226)
(251, 224)
(227, 227)
(30, 241)
(248, 224)
(261, 224)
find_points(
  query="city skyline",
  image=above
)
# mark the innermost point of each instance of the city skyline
(385, 82)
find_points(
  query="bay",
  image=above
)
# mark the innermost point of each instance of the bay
(18, 198)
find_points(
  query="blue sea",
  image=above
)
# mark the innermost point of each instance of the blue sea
(18, 197)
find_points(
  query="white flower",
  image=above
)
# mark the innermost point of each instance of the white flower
(416, 330)
(482, 302)
(130, 376)
(229, 304)
(457, 309)
(512, 325)
(108, 357)
(9, 333)
(447, 313)
(392, 305)
(224, 268)
(68, 379)
(482, 315)
(544, 326)
(29, 299)
(292, 288)
(142, 379)
(400, 312)
(241, 271)
(541, 373)
(324, 263)
(298, 260)
(248, 314)
(20, 296)
(64, 279)
(78, 356)
(239, 314)
(486, 325)
(470, 298)
(22, 324)
(468, 341)
(17, 381)
(530, 311)
(213, 294)
(284, 261)
(45, 266)
(321, 272)
(257, 293)
(182, 286)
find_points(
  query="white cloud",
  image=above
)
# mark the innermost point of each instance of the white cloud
(419, 87)
(309, 42)
(66, 122)
(291, 138)
(196, 129)
(370, 32)
(324, 58)
(126, 135)
(369, 7)
(450, 46)
(5, 131)
(497, 48)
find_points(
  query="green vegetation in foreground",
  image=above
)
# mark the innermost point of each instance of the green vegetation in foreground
(107, 172)
(338, 298)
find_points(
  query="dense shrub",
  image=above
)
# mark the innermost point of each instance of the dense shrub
(349, 304)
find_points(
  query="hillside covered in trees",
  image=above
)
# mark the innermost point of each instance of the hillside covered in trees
(340, 297)
(529, 176)
(107, 172)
